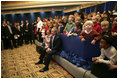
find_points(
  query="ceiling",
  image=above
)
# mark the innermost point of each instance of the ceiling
(17, 7)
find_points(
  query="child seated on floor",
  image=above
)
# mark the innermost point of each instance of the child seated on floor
(76, 30)
(89, 33)
(105, 65)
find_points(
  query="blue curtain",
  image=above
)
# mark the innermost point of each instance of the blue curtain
(33, 16)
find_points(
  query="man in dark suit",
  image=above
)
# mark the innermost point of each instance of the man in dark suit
(54, 47)
(28, 32)
(10, 35)
(22, 26)
(3, 35)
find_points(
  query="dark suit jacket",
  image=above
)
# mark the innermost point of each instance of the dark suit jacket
(29, 28)
(8, 32)
(57, 44)
(61, 29)
(22, 29)
(3, 30)
(15, 30)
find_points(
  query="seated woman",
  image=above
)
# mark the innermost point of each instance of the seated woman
(89, 33)
(47, 38)
(76, 30)
(105, 65)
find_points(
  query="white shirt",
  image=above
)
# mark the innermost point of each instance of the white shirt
(53, 39)
(39, 25)
(43, 32)
(21, 25)
(18, 27)
(110, 53)
(87, 31)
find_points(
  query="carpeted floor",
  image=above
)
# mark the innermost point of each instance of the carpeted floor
(20, 63)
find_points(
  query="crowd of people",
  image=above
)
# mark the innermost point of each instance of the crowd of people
(94, 26)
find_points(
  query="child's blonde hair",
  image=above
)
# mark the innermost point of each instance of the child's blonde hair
(71, 16)
(88, 22)
(104, 23)
(96, 17)
(78, 19)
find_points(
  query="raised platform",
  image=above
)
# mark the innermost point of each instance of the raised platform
(77, 72)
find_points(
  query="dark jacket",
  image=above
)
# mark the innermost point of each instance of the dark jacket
(22, 29)
(3, 30)
(8, 32)
(57, 43)
(28, 28)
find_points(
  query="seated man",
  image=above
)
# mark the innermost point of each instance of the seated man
(54, 47)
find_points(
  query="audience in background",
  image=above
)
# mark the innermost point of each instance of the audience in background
(104, 23)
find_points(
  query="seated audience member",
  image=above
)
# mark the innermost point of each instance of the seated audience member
(50, 26)
(89, 33)
(46, 26)
(89, 17)
(76, 30)
(105, 64)
(78, 19)
(65, 20)
(43, 31)
(60, 27)
(71, 16)
(96, 26)
(81, 15)
(114, 29)
(76, 15)
(69, 25)
(105, 28)
(114, 34)
(93, 14)
(47, 39)
(54, 47)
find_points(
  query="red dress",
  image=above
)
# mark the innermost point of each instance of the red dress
(35, 30)
(46, 28)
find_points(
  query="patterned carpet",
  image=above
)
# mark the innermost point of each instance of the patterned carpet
(19, 63)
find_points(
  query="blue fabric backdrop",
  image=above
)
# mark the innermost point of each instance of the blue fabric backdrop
(77, 52)
(33, 16)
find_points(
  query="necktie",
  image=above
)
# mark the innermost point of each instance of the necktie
(52, 40)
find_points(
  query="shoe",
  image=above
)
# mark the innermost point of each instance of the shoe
(44, 69)
(40, 62)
